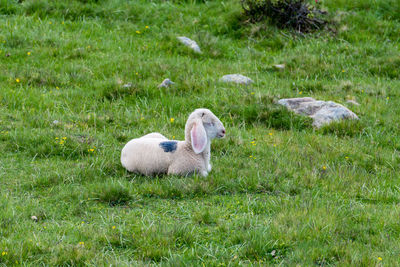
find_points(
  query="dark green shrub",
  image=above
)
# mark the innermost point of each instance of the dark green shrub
(293, 14)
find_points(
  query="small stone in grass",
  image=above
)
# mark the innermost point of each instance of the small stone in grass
(190, 43)
(279, 66)
(127, 85)
(322, 112)
(166, 83)
(236, 78)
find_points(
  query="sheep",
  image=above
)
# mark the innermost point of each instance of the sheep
(155, 154)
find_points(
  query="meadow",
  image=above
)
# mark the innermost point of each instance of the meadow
(280, 192)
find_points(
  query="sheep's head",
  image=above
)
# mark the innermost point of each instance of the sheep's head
(201, 126)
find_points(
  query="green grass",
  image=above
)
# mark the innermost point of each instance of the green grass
(295, 196)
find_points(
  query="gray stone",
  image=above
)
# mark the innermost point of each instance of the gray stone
(166, 83)
(190, 43)
(322, 112)
(236, 78)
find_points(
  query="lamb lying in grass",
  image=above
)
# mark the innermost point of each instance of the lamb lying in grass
(155, 154)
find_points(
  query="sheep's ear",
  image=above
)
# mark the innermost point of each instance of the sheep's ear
(199, 137)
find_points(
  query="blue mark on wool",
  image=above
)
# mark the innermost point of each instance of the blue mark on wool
(169, 146)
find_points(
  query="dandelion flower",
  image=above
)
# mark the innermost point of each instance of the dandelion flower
(172, 120)
(81, 243)
(17, 80)
(147, 27)
(113, 227)
(64, 138)
(138, 32)
(4, 253)
(270, 133)
(29, 53)
(379, 258)
(57, 87)
(173, 137)
(343, 70)
(324, 167)
(300, 92)
(346, 157)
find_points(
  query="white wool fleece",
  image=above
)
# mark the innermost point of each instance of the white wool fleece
(155, 154)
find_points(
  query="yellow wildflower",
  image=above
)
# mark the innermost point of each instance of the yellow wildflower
(57, 87)
(172, 120)
(29, 53)
(81, 243)
(270, 133)
(113, 227)
(147, 27)
(138, 32)
(379, 258)
(324, 167)
(300, 92)
(17, 80)
(64, 138)
(4, 253)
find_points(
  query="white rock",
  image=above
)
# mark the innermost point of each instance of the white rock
(127, 85)
(280, 66)
(190, 43)
(236, 78)
(350, 101)
(166, 83)
(322, 112)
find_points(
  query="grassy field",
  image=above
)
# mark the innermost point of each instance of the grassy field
(280, 192)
